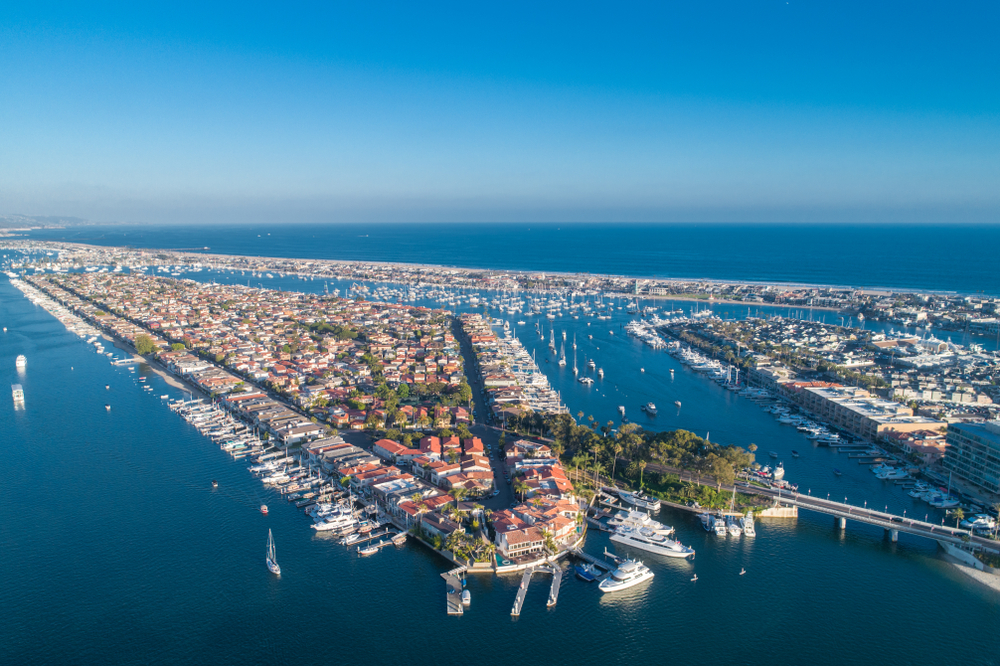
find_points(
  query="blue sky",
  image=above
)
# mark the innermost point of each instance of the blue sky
(699, 111)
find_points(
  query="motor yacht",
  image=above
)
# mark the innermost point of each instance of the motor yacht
(628, 574)
(647, 539)
(649, 408)
(640, 500)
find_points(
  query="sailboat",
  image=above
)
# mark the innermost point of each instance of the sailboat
(272, 560)
(576, 370)
(562, 355)
(574, 341)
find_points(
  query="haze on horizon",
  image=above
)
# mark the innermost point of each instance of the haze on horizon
(764, 111)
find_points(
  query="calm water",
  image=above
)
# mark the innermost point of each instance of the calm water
(116, 549)
(934, 257)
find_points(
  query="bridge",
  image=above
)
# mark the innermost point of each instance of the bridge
(890, 522)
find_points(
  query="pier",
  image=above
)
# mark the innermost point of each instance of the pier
(453, 590)
(521, 592)
(557, 573)
(587, 557)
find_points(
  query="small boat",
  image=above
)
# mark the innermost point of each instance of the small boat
(773, 454)
(107, 387)
(107, 407)
(367, 550)
(795, 454)
(587, 572)
(466, 598)
(837, 472)
(263, 509)
(642, 369)
(694, 578)
(272, 560)
(215, 484)
(649, 408)
(21, 362)
(677, 402)
(742, 571)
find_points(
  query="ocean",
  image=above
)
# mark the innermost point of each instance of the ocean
(957, 258)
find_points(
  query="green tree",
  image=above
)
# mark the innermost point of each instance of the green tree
(958, 515)
(144, 344)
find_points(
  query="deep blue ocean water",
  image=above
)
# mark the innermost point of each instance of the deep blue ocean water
(960, 258)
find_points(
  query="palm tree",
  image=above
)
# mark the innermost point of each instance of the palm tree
(642, 468)
(958, 514)
(617, 448)
(458, 494)
(521, 487)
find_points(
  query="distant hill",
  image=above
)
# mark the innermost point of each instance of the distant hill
(22, 221)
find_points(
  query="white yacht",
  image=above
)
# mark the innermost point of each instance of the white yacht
(779, 471)
(649, 408)
(645, 538)
(628, 574)
(640, 500)
(335, 522)
(639, 519)
(746, 522)
(21, 362)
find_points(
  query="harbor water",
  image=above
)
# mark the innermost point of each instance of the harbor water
(117, 549)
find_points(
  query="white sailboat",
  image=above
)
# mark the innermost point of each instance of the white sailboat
(272, 560)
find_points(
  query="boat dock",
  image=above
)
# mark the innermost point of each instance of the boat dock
(453, 590)
(557, 573)
(599, 563)
(521, 592)
(598, 524)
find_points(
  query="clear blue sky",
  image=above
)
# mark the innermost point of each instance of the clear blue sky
(710, 110)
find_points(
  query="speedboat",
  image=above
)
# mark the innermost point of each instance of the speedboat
(795, 454)
(367, 550)
(628, 574)
(587, 572)
(773, 454)
(837, 472)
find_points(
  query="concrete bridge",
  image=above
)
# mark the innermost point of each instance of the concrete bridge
(891, 523)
